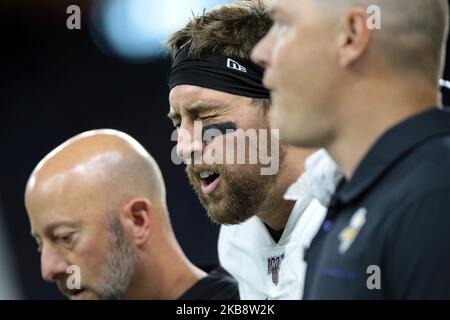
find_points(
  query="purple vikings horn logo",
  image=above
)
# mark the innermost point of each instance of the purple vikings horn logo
(273, 267)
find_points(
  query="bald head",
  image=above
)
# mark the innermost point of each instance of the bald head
(413, 34)
(98, 202)
(107, 162)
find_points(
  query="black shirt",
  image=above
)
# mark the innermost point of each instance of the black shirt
(387, 231)
(217, 285)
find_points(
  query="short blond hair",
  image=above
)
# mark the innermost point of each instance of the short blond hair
(414, 33)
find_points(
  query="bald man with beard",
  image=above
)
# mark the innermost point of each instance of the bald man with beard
(98, 202)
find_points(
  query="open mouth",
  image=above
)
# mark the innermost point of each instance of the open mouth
(76, 294)
(209, 181)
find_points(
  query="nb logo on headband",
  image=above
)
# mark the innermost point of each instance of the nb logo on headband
(236, 66)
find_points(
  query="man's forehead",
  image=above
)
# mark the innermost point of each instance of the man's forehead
(198, 107)
(189, 94)
(64, 201)
(192, 99)
(58, 188)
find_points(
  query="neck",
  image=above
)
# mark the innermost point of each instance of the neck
(276, 211)
(166, 273)
(372, 110)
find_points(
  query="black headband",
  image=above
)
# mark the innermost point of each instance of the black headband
(226, 74)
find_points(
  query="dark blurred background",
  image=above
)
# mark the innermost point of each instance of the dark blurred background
(56, 83)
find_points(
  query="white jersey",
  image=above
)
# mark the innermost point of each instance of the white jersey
(265, 269)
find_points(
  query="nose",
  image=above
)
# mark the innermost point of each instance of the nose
(261, 52)
(53, 264)
(190, 142)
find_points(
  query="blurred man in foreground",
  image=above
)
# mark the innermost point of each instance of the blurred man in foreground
(360, 78)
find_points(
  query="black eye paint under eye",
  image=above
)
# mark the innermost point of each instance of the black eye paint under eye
(223, 128)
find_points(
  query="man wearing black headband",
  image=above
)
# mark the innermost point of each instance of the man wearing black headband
(263, 236)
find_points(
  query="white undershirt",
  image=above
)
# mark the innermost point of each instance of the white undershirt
(245, 249)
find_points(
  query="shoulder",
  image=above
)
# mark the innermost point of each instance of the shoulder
(435, 155)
